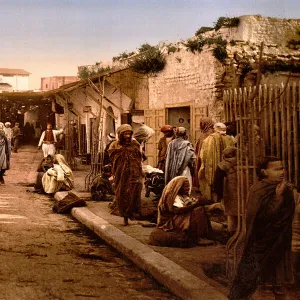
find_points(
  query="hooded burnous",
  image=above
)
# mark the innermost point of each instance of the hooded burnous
(126, 159)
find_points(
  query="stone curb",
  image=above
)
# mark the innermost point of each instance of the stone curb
(178, 280)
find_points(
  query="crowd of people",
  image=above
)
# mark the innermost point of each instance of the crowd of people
(211, 170)
(208, 171)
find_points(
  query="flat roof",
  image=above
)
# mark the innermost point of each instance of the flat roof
(6, 71)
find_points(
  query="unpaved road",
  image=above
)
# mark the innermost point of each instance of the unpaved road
(49, 256)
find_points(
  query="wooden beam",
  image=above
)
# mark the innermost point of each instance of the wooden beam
(93, 86)
(61, 101)
(74, 99)
(115, 105)
(96, 100)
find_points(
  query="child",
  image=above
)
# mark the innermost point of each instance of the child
(266, 256)
(101, 189)
(225, 186)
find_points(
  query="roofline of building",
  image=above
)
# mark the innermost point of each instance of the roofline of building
(46, 95)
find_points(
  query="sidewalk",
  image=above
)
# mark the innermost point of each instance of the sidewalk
(180, 269)
(184, 271)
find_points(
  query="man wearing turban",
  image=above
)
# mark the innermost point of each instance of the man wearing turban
(181, 158)
(163, 143)
(211, 155)
(206, 128)
(126, 159)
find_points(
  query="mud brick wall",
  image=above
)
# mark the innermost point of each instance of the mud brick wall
(187, 77)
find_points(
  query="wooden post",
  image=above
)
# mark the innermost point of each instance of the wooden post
(283, 121)
(271, 130)
(289, 130)
(296, 123)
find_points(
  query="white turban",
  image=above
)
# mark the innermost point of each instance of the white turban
(220, 128)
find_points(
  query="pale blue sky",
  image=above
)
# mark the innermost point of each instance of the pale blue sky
(53, 37)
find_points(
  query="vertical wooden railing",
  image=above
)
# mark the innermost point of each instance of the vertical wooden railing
(276, 111)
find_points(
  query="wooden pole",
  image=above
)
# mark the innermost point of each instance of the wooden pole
(271, 128)
(296, 123)
(283, 121)
(289, 131)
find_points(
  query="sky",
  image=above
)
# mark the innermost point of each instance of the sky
(53, 37)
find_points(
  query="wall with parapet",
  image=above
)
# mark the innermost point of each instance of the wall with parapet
(187, 77)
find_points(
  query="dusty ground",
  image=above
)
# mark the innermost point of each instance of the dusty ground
(48, 256)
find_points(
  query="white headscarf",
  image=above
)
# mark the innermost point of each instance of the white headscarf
(220, 128)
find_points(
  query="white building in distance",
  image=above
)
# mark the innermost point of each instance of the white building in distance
(13, 80)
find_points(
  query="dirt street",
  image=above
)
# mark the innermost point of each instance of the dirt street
(49, 256)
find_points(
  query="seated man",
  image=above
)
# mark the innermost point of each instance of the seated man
(59, 177)
(43, 167)
(46, 164)
(101, 189)
(182, 220)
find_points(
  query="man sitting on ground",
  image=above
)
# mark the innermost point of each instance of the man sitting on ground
(101, 189)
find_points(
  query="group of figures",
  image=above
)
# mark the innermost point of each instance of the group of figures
(212, 170)
(9, 142)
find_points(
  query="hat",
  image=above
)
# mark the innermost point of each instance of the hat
(166, 128)
(180, 131)
(7, 123)
(123, 128)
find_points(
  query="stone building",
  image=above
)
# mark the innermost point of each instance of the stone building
(112, 98)
(192, 83)
(189, 87)
(14, 80)
(54, 82)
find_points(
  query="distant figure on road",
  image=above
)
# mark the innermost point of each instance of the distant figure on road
(27, 131)
(4, 153)
(126, 159)
(16, 137)
(38, 129)
(48, 140)
(9, 134)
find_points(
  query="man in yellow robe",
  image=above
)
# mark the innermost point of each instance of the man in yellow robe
(211, 156)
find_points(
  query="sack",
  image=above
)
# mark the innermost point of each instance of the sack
(65, 205)
(159, 237)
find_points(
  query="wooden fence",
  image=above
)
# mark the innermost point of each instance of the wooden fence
(268, 121)
(276, 111)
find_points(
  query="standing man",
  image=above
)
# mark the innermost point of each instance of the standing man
(4, 156)
(206, 129)
(181, 158)
(9, 134)
(48, 140)
(126, 159)
(211, 155)
(163, 143)
(16, 137)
